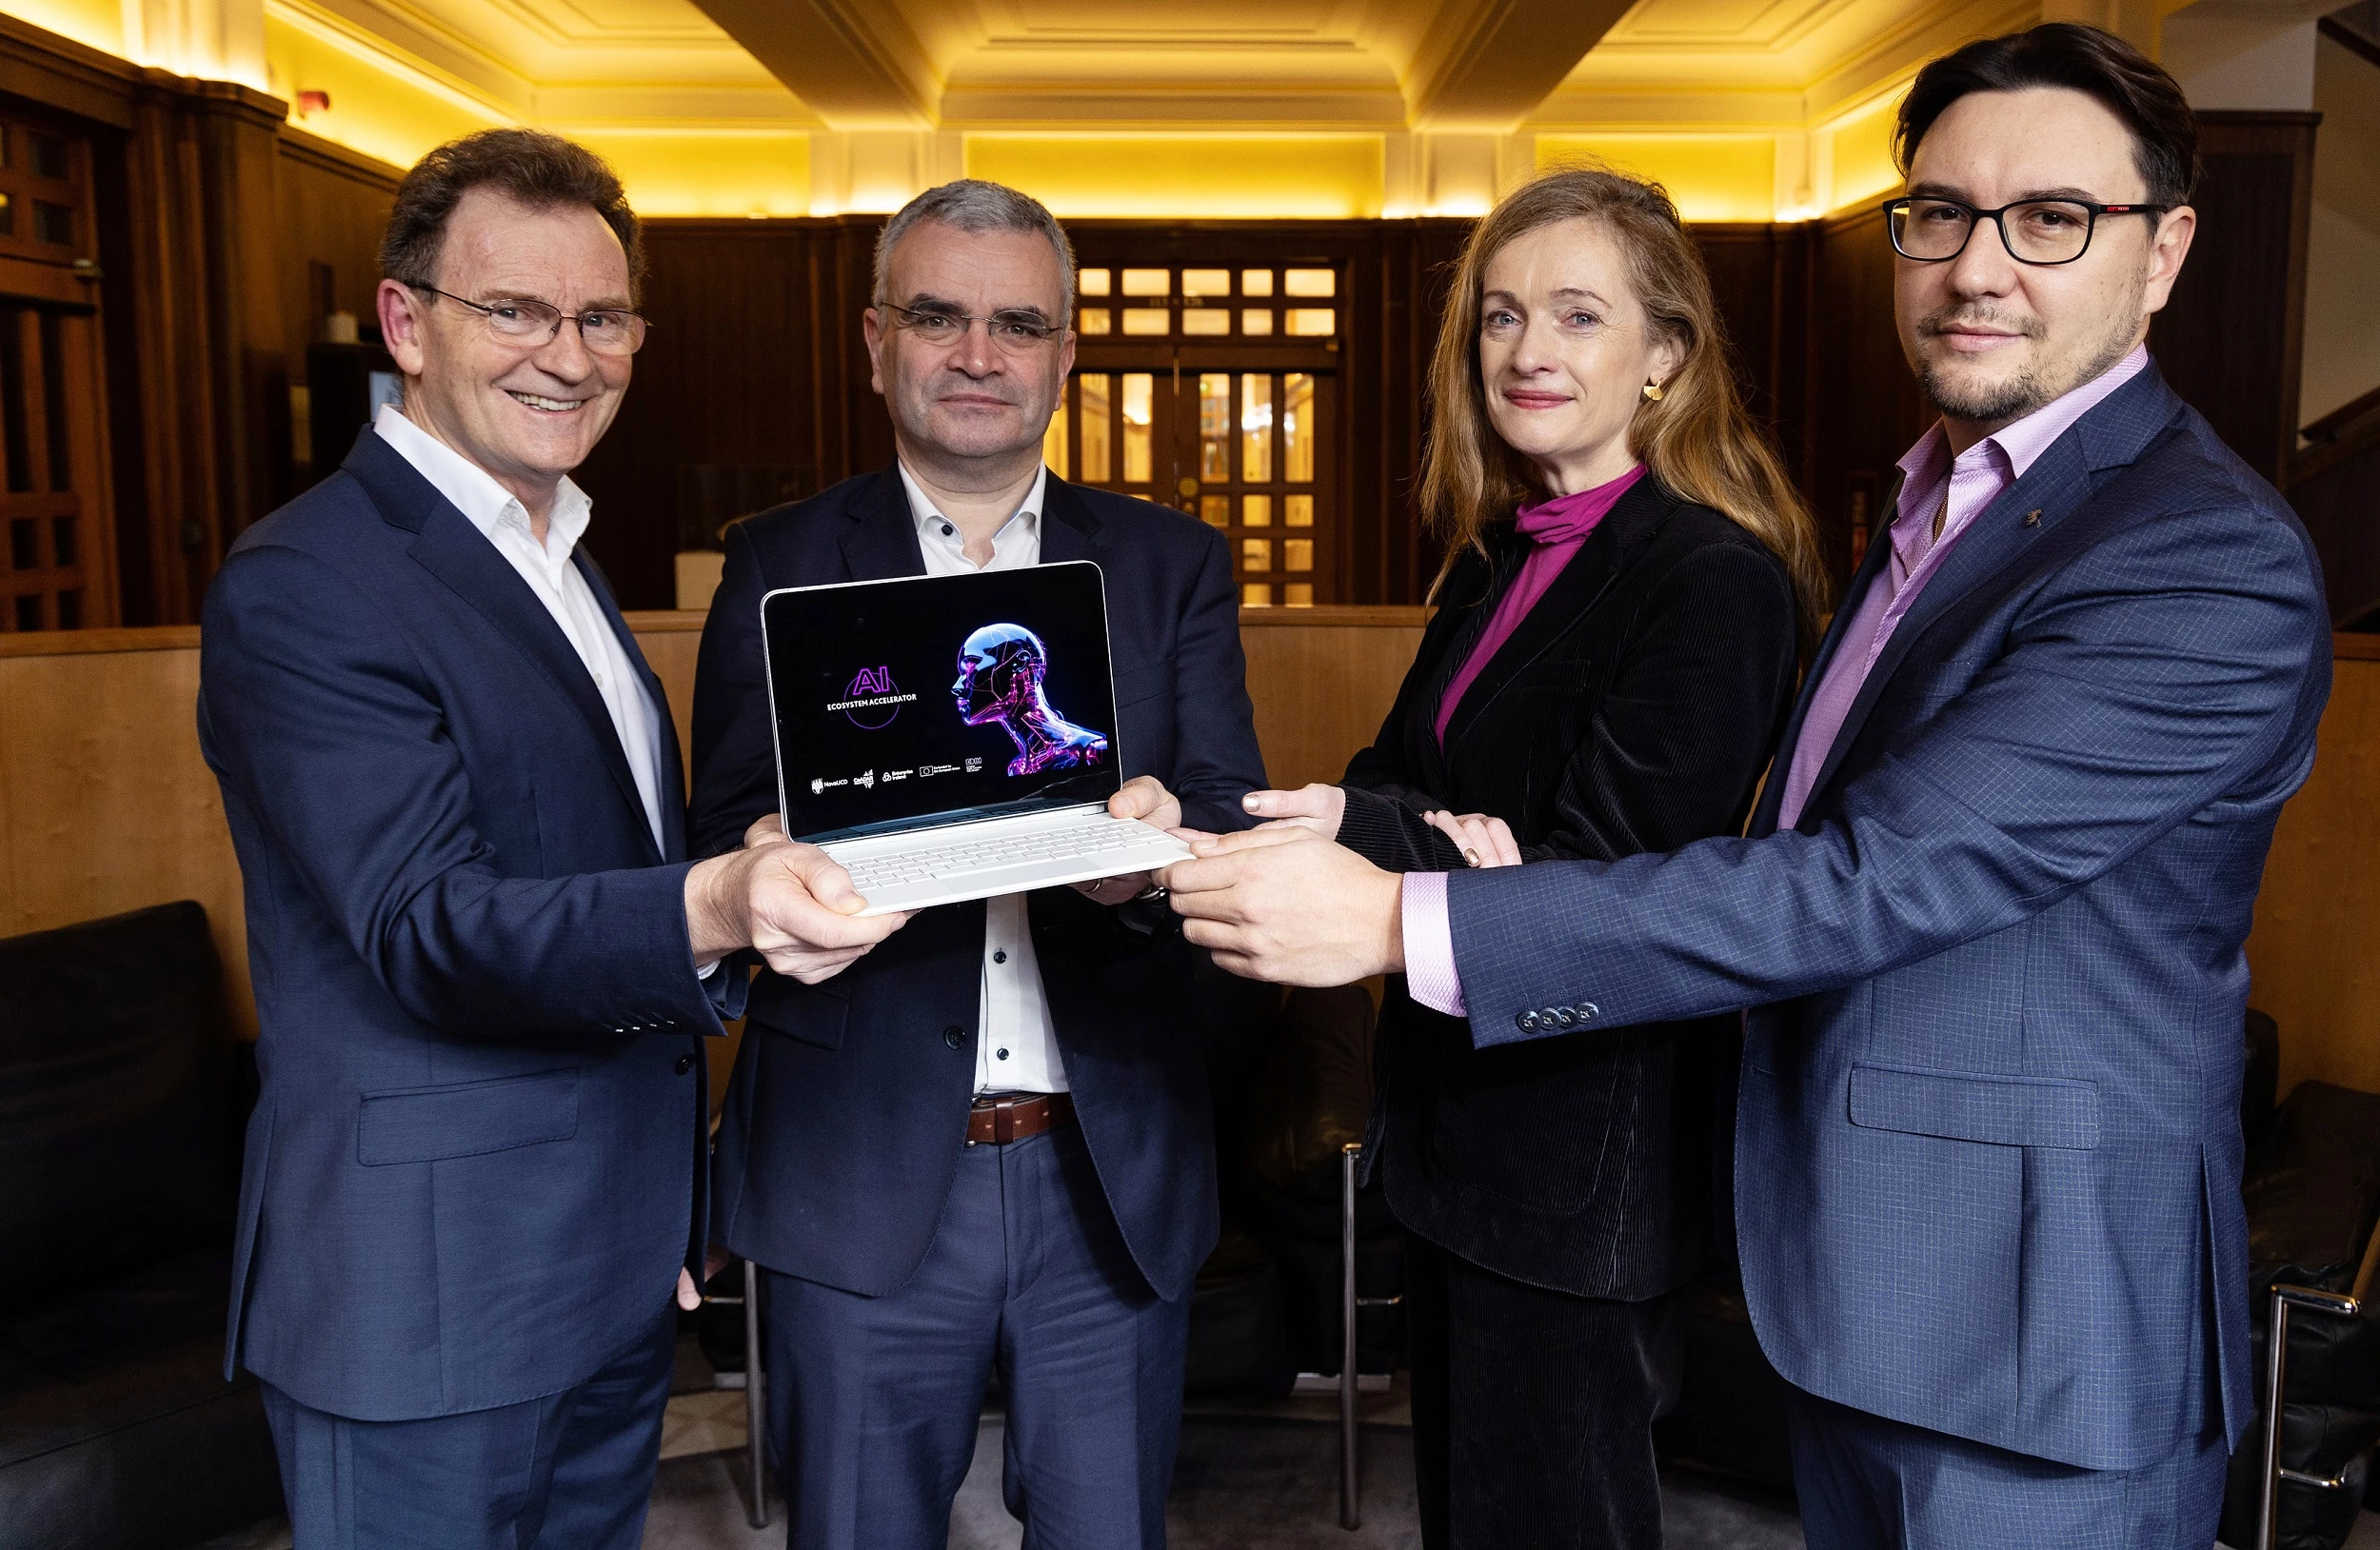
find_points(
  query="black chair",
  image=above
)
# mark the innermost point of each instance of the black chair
(122, 1103)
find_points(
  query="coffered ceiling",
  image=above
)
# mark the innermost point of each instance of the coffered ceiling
(988, 64)
(1488, 66)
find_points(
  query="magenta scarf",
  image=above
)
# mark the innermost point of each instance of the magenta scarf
(1555, 529)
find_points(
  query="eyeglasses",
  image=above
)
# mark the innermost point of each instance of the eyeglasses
(2034, 231)
(522, 320)
(1018, 333)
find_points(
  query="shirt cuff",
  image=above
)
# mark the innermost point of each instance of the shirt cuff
(1430, 975)
(703, 971)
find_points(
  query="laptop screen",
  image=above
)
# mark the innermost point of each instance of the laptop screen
(940, 698)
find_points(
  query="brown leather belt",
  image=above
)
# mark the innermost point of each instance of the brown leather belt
(996, 1122)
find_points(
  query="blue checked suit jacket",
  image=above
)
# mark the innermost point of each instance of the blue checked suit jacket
(1987, 1151)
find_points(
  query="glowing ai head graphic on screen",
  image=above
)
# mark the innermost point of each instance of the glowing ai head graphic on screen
(999, 681)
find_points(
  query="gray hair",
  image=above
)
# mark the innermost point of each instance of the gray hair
(975, 204)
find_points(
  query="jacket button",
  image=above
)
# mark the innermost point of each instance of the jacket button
(686, 1063)
(1564, 1017)
(954, 1036)
(1588, 1011)
(1526, 1021)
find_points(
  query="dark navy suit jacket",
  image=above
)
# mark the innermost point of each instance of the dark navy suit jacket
(470, 1176)
(850, 1103)
(1987, 1148)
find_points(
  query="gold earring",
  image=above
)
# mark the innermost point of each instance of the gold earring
(1653, 391)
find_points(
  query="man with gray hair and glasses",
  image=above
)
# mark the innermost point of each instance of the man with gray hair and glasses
(987, 1147)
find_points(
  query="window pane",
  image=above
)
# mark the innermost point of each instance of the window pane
(1255, 554)
(1297, 511)
(1256, 320)
(1091, 320)
(1256, 595)
(70, 609)
(1214, 424)
(1090, 282)
(49, 155)
(1255, 282)
(1312, 321)
(1206, 320)
(1215, 510)
(1255, 428)
(1255, 511)
(1137, 396)
(1147, 319)
(8, 215)
(29, 609)
(1296, 554)
(62, 540)
(1207, 282)
(1297, 428)
(1310, 283)
(24, 544)
(1148, 282)
(1093, 391)
(52, 222)
(1298, 594)
(1054, 441)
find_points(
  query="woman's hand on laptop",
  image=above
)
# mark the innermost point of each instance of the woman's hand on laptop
(791, 902)
(1316, 806)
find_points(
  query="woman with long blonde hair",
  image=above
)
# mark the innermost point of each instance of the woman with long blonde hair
(1630, 579)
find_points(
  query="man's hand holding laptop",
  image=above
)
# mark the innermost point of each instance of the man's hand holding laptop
(792, 901)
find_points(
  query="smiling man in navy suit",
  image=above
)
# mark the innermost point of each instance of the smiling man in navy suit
(1989, 919)
(989, 1147)
(479, 951)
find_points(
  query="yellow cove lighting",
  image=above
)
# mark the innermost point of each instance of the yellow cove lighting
(1313, 176)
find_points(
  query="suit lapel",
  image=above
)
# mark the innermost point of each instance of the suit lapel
(881, 541)
(1070, 529)
(670, 772)
(1830, 645)
(2112, 435)
(447, 545)
(1583, 582)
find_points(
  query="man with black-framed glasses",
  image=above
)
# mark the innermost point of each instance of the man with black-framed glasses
(1986, 922)
(485, 964)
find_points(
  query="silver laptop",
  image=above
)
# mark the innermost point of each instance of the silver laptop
(953, 737)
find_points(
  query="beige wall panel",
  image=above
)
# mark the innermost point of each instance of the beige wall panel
(2315, 952)
(1323, 679)
(107, 805)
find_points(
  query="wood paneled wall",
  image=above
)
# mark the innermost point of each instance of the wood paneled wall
(105, 805)
(2316, 951)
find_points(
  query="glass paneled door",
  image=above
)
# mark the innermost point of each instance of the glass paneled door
(1213, 391)
(57, 532)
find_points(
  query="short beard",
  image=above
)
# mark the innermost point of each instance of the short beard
(2005, 403)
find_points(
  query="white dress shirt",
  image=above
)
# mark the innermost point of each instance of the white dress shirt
(504, 523)
(1017, 1049)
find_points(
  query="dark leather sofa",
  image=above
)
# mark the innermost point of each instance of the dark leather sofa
(121, 1100)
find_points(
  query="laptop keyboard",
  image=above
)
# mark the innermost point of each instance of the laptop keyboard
(957, 857)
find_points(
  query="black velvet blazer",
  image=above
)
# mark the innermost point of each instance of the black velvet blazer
(1632, 710)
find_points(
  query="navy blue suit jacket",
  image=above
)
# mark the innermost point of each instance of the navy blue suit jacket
(850, 1103)
(470, 1176)
(1987, 1148)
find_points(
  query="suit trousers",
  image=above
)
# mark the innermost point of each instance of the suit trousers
(1866, 1483)
(1533, 1409)
(873, 1402)
(571, 1470)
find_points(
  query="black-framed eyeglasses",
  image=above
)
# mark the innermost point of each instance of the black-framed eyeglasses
(1018, 333)
(1933, 231)
(524, 320)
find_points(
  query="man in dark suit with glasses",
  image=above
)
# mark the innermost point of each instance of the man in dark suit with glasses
(988, 1148)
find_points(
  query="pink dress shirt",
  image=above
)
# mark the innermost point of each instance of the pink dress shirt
(1555, 530)
(1931, 477)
